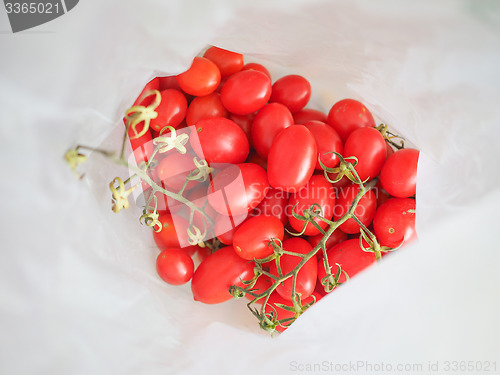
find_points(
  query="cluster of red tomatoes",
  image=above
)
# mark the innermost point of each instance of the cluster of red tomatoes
(277, 177)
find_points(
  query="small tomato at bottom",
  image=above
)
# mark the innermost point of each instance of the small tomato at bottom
(220, 270)
(174, 266)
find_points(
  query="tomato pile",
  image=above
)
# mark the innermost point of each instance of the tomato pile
(252, 194)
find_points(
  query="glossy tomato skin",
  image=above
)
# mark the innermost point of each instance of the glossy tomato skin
(219, 140)
(306, 277)
(399, 173)
(237, 189)
(220, 270)
(351, 258)
(174, 266)
(202, 77)
(347, 115)
(267, 124)
(251, 239)
(203, 107)
(394, 222)
(275, 203)
(292, 159)
(327, 140)
(171, 110)
(309, 114)
(262, 284)
(293, 91)
(225, 227)
(246, 92)
(258, 67)
(364, 211)
(369, 147)
(317, 190)
(169, 235)
(228, 62)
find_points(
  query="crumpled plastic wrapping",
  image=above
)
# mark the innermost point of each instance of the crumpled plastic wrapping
(79, 292)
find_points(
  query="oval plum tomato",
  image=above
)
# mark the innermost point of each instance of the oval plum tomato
(394, 222)
(306, 277)
(348, 115)
(275, 312)
(258, 67)
(174, 169)
(228, 62)
(219, 140)
(203, 107)
(154, 84)
(169, 235)
(245, 123)
(237, 189)
(317, 191)
(226, 226)
(171, 110)
(174, 266)
(368, 146)
(292, 159)
(246, 92)
(220, 270)
(350, 256)
(202, 78)
(327, 140)
(336, 237)
(399, 173)
(274, 204)
(364, 211)
(309, 114)
(267, 124)
(251, 240)
(293, 91)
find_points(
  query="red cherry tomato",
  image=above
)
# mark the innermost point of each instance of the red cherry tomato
(351, 258)
(317, 191)
(327, 140)
(228, 62)
(246, 92)
(174, 169)
(202, 78)
(274, 204)
(348, 115)
(369, 147)
(394, 222)
(337, 237)
(293, 91)
(399, 173)
(237, 189)
(267, 124)
(171, 110)
(306, 277)
(203, 107)
(251, 239)
(262, 284)
(292, 159)
(309, 114)
(169, 235)
(258, 67)
(364, 211)
(220, 270)
(219, 140)
(174, 266)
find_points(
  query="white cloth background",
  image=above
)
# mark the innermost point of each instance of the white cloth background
(78, 289)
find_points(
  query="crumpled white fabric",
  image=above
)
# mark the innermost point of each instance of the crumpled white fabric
(78, 289)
